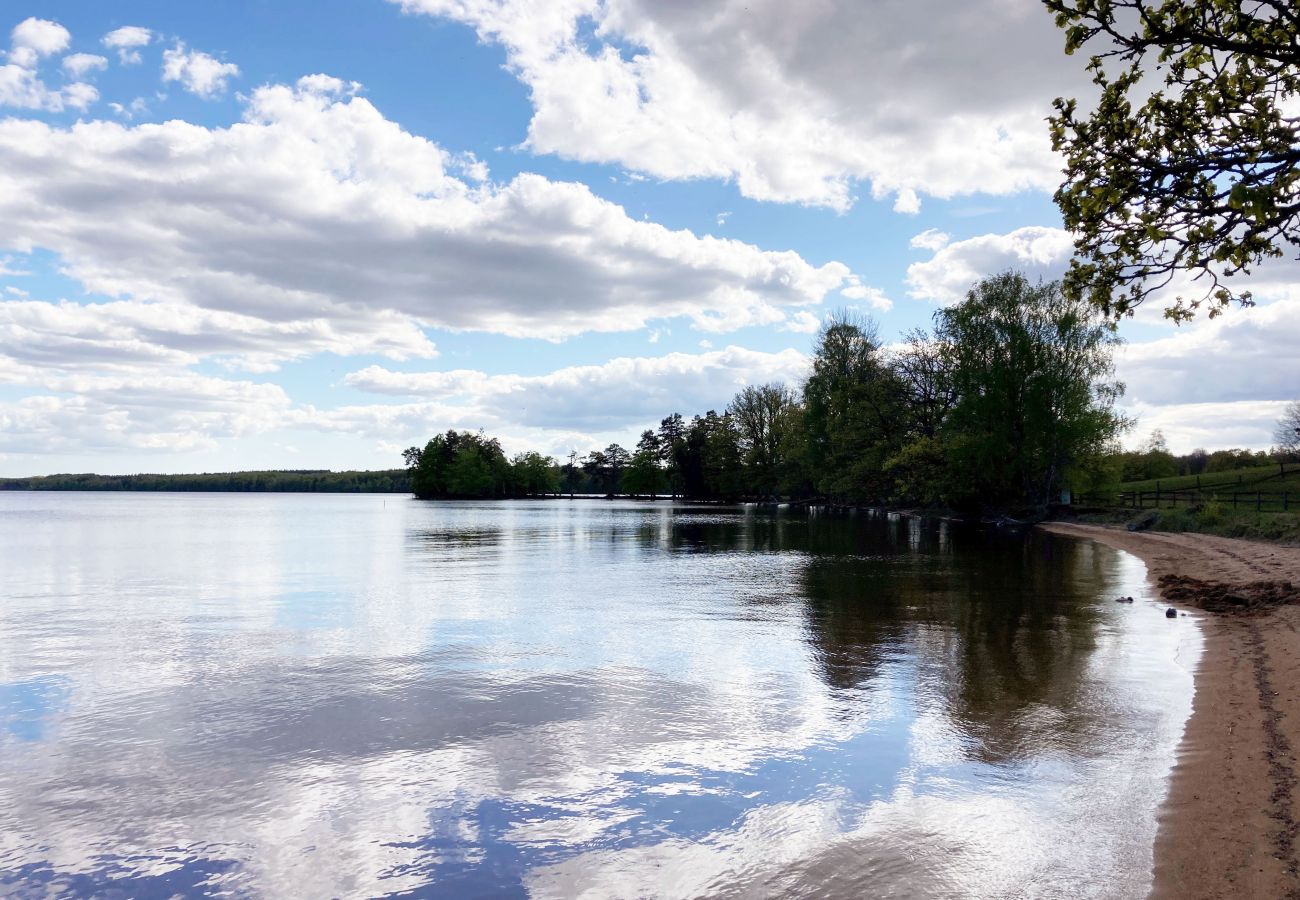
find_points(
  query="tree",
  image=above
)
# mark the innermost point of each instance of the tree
(1032, 372)
(924, 370)
(756, 412)
(643, 475)
(1151, 460)
(672, 442)
(532, 473)
(852, 414)
(459, 464)
(1287, 434)
(1201, 176)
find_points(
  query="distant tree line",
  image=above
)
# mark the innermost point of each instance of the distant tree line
(391, 481)
(1154, 460)
(1008, 399)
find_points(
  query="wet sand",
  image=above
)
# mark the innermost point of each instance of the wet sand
(1228, 827)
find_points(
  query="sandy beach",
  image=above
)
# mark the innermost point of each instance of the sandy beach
(1228, 828)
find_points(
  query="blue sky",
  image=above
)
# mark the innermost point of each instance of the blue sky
(291, 234)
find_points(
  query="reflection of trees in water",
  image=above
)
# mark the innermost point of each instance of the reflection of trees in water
(727, 531)
(1001, 633)
(1000, 628)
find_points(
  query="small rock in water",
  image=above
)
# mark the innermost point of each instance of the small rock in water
(1123, 599)
(1171, 613)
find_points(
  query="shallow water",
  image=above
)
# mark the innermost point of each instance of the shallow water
(316, 695)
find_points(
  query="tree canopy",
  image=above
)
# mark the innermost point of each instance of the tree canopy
(1195, 169)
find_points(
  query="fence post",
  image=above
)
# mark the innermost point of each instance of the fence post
(1235, 495)
(1258, 498)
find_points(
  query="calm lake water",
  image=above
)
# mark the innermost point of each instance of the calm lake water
(313, 696)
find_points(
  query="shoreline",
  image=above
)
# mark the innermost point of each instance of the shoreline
(1228, 825)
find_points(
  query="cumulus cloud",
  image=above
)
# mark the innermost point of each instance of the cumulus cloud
(955, 268)
(930, 239)
(316, 207)
(200, 74)
(126, 41)
(875, 298)
(1246, 355)
(622, 393)
(102, 413)
(130, 335)
(33, 38)
(794, 102)
(78, 65)
(138, 106)
(20, 84)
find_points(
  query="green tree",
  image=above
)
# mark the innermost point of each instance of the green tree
(1033, 376)
(852, 411)
(459, 464)
(532, 473)
(643, 475)
(672, 444)
(1151, 460)
(1201, 174)
(756, 412)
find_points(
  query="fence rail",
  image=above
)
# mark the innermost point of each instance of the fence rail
(1258, 501)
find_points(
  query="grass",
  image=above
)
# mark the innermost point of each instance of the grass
(1228, 482)
(1211, 518)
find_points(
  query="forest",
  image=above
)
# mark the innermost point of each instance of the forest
(1007, 400)
(288, 481)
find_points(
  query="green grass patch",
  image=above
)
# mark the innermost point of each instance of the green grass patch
(1229, 482)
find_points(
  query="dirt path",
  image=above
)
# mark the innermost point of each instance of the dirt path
(1228, 828)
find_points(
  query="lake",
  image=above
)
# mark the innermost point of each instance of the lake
(335, 695)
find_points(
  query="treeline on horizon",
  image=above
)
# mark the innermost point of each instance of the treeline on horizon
(1007, 400)
(1154, 460)
(299, 481)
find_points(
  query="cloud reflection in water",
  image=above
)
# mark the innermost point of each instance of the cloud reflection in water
(330, 696)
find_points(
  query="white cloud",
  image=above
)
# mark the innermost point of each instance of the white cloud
(78, 65)
(623, 393)
(126, 41)
(907, 202)
(80, 95)
(930, 239)
(21, 85)
(855, 290)
(101, 413)
(1246, 354)
(794, 102)
(317, 208)
(1213, 426)
(955, 268)
(802, 322)
(33, 38)
(138, 106)
(199, 73)
(130, 335)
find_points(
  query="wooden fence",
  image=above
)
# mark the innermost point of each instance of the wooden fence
(1257, 501)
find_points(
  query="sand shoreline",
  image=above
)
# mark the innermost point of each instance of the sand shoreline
(1228, 826)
